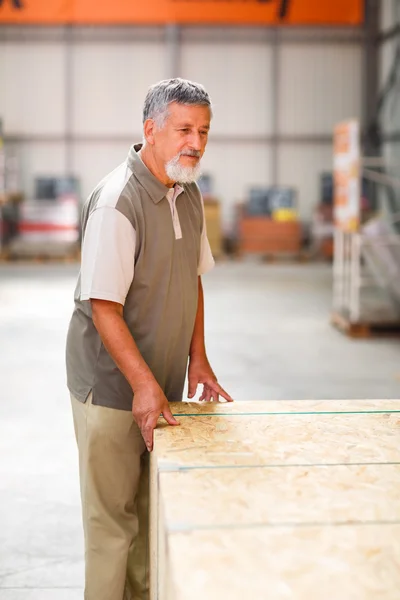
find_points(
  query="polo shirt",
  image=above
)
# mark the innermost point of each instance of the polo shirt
(143, 246)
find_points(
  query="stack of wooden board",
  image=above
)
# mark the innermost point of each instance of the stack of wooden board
(280, 500)
(212, 213)
(261, 235)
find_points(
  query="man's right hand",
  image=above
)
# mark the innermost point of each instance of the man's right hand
(149, 402)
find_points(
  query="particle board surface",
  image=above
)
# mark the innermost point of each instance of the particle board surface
(287, 563)
(288, 500)
(261, 496)
(282, 406)
(279, 439)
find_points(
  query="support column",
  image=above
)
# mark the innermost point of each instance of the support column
(275, 72)
(173, 51)
(370, 88)
(68, 99)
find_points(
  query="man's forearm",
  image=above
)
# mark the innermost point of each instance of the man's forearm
(197, 346)
(119, 343)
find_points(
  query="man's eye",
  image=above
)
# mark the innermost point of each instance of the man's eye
(204, 132)
(185, 130)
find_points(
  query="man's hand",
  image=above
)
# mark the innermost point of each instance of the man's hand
(149, 402)
(200, 371)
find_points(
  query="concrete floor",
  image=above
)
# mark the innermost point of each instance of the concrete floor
(268, 337)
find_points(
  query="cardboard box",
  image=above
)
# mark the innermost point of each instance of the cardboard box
(212, 211)
(261, 235)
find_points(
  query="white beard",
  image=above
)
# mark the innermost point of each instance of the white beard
(180, 174)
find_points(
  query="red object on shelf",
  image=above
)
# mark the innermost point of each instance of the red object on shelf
(50, 220)
(28, 227)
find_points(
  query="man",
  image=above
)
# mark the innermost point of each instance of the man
(138, 320)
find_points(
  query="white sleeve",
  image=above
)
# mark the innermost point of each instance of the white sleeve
(206, 262)
(108, 256)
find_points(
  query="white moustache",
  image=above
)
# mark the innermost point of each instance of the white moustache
(193, 153)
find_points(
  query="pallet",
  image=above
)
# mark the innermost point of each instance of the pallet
(6, 258)
(273, 257)
(364, 329)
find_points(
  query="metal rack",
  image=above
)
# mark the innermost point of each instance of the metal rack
(368, 261)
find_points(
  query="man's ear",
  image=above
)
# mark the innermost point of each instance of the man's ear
(148, 130)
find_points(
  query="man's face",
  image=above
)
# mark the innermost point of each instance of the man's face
(183, 136)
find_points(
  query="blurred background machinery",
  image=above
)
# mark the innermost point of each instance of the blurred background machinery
(42, 224)
(281, 75)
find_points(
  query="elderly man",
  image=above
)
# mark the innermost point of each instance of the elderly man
(138, 321)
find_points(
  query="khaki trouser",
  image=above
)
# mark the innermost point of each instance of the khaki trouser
(113, 468)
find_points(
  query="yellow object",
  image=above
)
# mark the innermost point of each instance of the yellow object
(284, 215)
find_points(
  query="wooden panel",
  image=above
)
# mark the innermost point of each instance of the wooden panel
(299, 563)
(279, 495)
(212, 213)
(263, 235)
(290, 497)
(284, 406)
(280, 439)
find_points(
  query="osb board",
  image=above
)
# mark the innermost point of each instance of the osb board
(349, 562)
(228, 558)
(279, 439)
(281, 406)
(232, 497)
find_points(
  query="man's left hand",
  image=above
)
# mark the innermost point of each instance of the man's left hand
(200, 371)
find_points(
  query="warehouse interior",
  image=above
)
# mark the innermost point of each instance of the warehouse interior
(296, 309)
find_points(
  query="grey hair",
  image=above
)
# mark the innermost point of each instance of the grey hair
(182, 91)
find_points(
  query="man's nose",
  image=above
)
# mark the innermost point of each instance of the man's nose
(195, 142)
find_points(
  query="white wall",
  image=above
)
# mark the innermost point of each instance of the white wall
(32, 88)
(238, 79)
(319, 84)
(93, 160)
(109, 85)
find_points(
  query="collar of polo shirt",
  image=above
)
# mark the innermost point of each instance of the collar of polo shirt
(156, 190)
